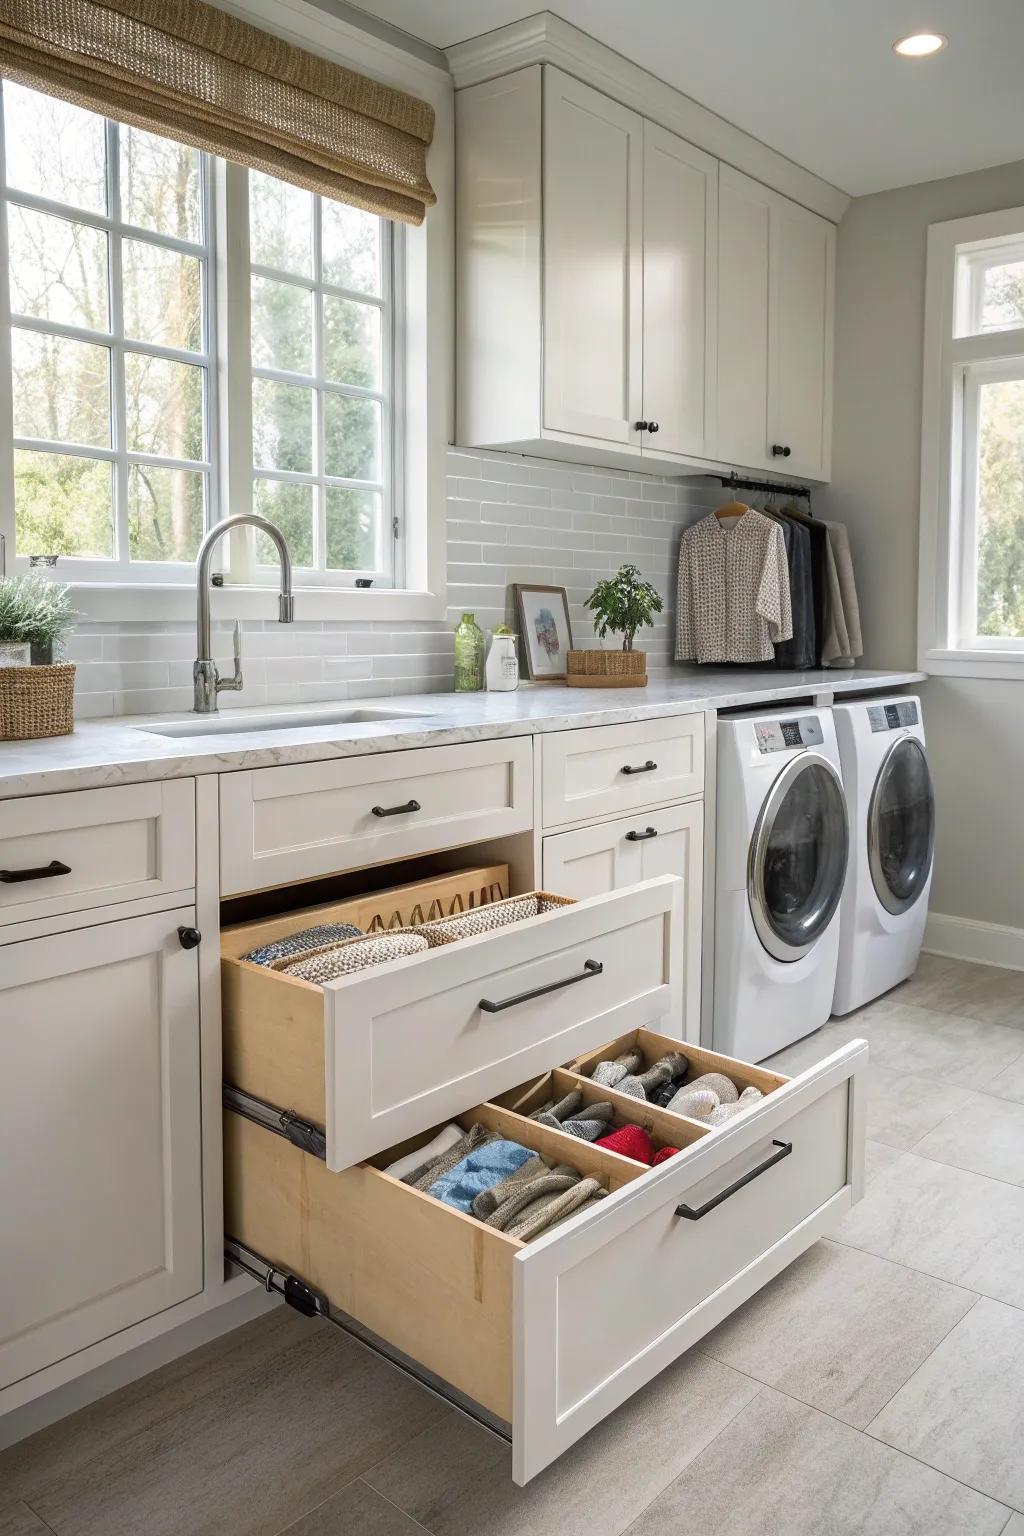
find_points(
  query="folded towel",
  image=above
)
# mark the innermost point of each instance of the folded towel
(432, 1168)
(479, 1170)
(442, 1142)
(355, 955)
(296, 946)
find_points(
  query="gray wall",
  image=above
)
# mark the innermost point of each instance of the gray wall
(975, 726)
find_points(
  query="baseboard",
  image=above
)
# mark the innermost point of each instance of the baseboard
(964, 938)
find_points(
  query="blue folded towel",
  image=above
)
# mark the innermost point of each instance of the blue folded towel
(479, 1170)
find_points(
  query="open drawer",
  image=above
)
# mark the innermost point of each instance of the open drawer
(384, 1053)
(551, 1336)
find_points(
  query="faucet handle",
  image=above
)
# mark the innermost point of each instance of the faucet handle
(234, 683)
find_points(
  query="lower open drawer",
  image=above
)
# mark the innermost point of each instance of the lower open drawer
(551, 1336)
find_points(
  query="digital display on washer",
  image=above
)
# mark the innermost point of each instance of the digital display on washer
(783, 735)
(893, 717)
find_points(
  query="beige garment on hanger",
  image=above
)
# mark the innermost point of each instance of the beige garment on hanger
(843, 643)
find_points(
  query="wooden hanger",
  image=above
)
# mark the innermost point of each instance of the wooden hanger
(732, 509)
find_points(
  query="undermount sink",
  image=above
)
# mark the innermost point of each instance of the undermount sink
(247, 724)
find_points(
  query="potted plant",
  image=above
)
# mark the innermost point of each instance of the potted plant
(36, 692)
(621, 605)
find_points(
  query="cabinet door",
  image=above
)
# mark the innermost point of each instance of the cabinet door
(618, 853)
(593, 269)
(101, 1201)
(744, 241)
(680, 230)
(800, 379)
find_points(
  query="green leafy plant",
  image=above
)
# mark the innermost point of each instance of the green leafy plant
(34, 610)
(623, 604)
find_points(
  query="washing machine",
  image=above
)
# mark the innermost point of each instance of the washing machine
(892, 819)
(781, 856)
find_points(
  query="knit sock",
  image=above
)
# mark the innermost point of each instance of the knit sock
(630, 1141)
(480, 1169)
(442, 1142)
(724, 1086)
(423, 1176)
(664, 1095)
(664, 1155)
(588, 1125)
(609, 1074)
(725, 1112)
(547, 1212)
(560, 1109)
(697, 1105)
(584, 1205)
(488, 1200)
(667, 1070)
(549, 1185)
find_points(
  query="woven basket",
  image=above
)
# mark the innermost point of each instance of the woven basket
(36, 701)
(606, 669)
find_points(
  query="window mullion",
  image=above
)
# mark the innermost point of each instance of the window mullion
(118, 388)
(7, 514)
(234, 362)
(320, 437)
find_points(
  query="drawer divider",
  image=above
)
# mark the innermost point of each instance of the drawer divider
(313, 1303)
(283, 1122)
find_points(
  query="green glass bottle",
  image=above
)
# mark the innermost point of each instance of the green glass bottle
(469, 655)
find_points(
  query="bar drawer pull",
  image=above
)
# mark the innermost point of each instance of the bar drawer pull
(45, 872)
(590, 968)
(647, 767)
(641, 837)
(784, 1149)
(397, 810)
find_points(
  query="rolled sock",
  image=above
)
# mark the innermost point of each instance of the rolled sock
(442, 1142)
(630, 1141)
(481, 1169)
(667, 1070)
(560, 1109)
(750, 1095)
(488, 1200)
(664, 1155)
(425, 1175)
(555, 1181)
(697, 1105)
(724, 1086)
(666, 1093)
(548, 1212)
(588, 1125)
(747, 1099)
(609, 1074)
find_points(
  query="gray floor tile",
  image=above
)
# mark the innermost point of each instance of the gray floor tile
(955, 1050)
(18, 1520)
(945, 1222)
(903, 1107)
(1014, 1526)
(963, 1411)
(782, 1469)
(356, 1511)
(456, 1480)
(56, 1453)
(804, 1053)
(249, 1458)
(1008, 1084)
(984, 992)
(840, 1329)
(987, 1137)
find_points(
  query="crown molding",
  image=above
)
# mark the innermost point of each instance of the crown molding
(547, 39)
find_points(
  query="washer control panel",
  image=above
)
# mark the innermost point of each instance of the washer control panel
(893, 717)
(784, 735)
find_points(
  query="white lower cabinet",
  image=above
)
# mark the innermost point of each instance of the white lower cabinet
(100, 1202)
(619, 853)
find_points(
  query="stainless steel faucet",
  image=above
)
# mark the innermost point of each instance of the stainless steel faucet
(207, 681)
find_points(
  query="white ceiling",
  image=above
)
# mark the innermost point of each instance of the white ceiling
(814, 79)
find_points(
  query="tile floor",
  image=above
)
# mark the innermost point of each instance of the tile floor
(876, 1387)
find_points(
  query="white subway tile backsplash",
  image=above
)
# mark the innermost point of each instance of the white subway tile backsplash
(510, 519)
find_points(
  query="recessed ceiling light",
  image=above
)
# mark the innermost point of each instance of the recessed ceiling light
(920, 44)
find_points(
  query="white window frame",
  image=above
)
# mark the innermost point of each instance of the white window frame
(955, 366)
(423, 399)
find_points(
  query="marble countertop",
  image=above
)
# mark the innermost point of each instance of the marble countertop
(128, 750)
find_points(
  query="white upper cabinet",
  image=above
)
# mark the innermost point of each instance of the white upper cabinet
(593, 266)
(679, 257)
(775, 277)
(625, 297)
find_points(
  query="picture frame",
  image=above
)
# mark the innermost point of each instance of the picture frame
(543, 620)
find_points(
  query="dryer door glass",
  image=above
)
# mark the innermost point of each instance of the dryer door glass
(798, 857)
(901, 826)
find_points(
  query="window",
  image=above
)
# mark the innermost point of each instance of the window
(119, 402)
(972, 482)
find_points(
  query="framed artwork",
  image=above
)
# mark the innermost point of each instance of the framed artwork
(543, 614)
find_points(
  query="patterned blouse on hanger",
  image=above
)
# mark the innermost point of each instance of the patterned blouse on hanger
(733, 597)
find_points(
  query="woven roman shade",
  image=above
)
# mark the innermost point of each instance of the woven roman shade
(191, 72)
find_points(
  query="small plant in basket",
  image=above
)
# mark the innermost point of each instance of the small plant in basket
(36, 612)
(623, 604)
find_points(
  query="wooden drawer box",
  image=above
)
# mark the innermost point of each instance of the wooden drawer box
(613, 769)
(552, 1335)
(280, 825)
(94, 847)
(382, 1054)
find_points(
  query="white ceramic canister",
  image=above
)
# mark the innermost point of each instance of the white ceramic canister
(502, 668)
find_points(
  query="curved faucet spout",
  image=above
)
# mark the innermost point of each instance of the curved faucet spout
(207, 681)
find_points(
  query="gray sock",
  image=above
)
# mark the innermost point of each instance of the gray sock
(588, 1125)
(488, 1200)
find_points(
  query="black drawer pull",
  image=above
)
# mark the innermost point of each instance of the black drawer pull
(647, 767)
(189, 938)
(590, 968)
(785, 1148)
(641, 837)
(46, 872)
(397, 810)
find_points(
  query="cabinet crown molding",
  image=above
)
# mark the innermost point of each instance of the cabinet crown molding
(547, 39)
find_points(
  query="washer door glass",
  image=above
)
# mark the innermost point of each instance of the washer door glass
(798, 857)
(901, 826)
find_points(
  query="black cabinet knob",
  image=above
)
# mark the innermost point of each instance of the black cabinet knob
(652, 426)
(641, 426)
(781, 451)
(189, 938)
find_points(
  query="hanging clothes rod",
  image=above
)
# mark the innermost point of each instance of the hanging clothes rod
(735, 482)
